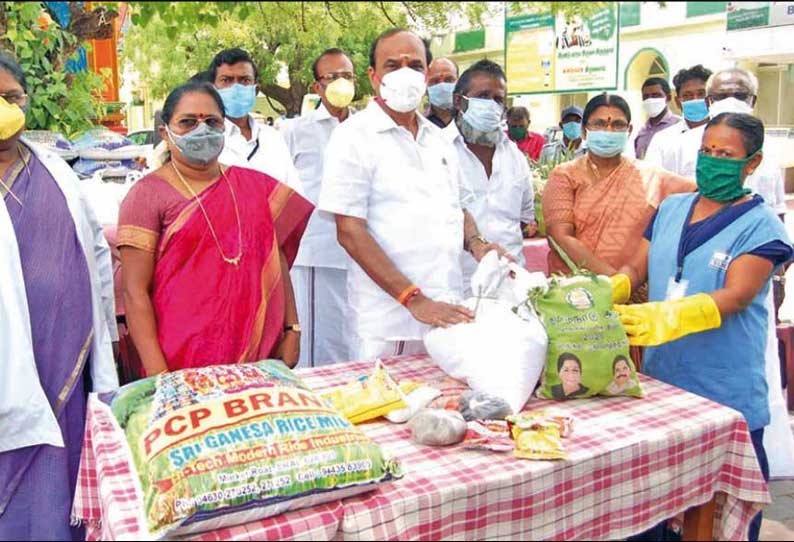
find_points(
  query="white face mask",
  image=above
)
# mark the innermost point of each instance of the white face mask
(402, 90)
(654, 106)
(730, 105)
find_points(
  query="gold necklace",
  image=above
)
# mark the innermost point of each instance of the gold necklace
(8, 188)
(232, 261)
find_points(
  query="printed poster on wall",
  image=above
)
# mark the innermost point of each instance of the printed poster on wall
(746, 15)
(546, 53)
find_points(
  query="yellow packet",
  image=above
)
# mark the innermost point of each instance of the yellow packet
(369, 397)
(536, 437)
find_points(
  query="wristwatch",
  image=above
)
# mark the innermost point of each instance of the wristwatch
(477, 237)
(293, 327)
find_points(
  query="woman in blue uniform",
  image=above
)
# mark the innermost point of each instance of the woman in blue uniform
(709, 258)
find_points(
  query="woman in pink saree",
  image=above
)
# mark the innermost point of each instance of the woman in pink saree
(206, 250)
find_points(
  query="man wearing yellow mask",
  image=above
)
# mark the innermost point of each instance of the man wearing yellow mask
(319, 276)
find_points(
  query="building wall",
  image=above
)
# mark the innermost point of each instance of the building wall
(680, 40)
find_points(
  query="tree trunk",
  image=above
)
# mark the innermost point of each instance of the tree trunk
(291, 98)
(3, 26)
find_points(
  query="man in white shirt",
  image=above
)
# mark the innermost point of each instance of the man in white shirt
(493, 168)
(319, 275)
(393, 183)
(690, 96)
(247, 142)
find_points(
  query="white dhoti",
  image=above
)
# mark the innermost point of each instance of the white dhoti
(778, 438)
(321, 299)
(371, 349)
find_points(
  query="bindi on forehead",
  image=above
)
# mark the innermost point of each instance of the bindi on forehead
(196, 116)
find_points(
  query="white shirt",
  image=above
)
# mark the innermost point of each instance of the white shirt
(499, 204)
(307, 138)
(270, 156)
(408, 191)
(661, 145)
(26, 417)
(766, 180)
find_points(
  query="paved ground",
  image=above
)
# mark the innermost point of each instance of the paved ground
(779, 516)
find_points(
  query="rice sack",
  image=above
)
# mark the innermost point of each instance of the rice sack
(588, 352)
(229, 444)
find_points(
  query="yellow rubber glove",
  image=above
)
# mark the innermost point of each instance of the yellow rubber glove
(621, 288)
(12, 119)
(652, 324)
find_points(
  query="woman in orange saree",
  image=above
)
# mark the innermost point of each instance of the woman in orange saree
(206, 250)
(597, 206)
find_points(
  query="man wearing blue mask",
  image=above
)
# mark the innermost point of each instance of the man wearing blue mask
(494, 170)
(247, 142)
(571, 145)
(441, 78)
(690, 96)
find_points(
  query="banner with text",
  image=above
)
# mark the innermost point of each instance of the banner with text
(746, 15)
(546, 53)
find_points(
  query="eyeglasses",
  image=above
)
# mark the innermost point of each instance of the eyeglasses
(741, 96)
(330, 77)
(18, 98)
(602, 125)
(188, 123)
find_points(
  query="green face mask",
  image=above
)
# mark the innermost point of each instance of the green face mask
(720, 179)
(517, 133)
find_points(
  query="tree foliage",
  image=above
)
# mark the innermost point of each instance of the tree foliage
(169, 41)
(582, 9)
(59, 100)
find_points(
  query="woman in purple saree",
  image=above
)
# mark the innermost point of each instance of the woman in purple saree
(61, 262)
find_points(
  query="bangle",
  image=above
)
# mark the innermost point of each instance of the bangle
(408, 293)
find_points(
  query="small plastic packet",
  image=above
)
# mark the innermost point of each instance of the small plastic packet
(436, 427)
(476, 405)
(490, 435)
(369, 397)
(539, 434)
(417, 399)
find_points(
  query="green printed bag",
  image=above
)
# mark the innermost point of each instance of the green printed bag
(588, 352)
(219, 446)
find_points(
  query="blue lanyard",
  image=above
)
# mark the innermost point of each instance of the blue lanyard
(681, 240)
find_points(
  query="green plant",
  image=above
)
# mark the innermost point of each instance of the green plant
(59, 100)
(541, 169)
